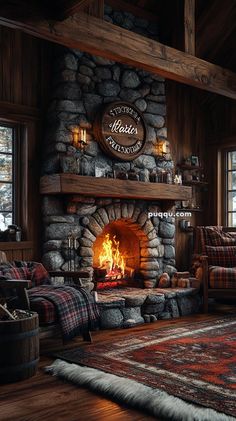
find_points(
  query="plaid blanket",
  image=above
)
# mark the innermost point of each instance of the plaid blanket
(76, 309)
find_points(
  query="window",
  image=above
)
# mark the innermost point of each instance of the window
(231, 188)
(7, 174)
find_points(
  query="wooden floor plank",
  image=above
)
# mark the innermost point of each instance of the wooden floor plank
(44, 397)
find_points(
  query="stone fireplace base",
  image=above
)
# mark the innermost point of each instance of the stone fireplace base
(127, 307)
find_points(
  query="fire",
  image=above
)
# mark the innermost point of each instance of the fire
(111, 258)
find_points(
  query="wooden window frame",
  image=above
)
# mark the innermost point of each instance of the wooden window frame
(222, 210)
(20, 173)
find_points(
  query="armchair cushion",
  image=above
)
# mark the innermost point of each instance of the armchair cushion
(221, 277)
(45, 309)
(217, 237)
(222, 256)
(33, 271)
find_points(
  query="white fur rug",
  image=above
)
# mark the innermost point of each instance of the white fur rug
(134, 394)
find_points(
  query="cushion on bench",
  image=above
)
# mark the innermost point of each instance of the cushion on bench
(221, 277)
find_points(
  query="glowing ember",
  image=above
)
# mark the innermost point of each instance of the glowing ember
(111, 258)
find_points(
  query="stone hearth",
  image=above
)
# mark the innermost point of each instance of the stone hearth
(127, 307)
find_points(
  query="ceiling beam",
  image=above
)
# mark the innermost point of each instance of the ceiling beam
(104, 39)
(189, 27)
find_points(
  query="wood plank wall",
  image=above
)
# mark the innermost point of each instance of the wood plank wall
(187, 135)
(25, 74)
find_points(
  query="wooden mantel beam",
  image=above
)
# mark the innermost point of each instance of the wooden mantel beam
(104, 39)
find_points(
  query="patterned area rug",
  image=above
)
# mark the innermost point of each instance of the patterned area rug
(194, 362)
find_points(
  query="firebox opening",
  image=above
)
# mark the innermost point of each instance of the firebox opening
(116, 256)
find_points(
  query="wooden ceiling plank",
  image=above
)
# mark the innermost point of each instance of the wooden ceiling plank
(189, 27)
(69, 8)
(96, 8)
(104, 39)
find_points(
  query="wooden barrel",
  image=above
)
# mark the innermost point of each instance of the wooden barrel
(19, 348)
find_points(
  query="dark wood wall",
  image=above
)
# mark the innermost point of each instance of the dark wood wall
(24, 81)
(186, 122)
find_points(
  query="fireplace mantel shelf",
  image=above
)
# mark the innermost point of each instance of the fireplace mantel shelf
(108, 187)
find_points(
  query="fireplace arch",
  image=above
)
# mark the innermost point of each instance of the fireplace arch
(130, 221)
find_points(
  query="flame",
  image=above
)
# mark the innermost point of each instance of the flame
(111, 258)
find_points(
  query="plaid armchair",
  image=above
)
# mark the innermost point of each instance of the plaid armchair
(70, 310)
(216, 248)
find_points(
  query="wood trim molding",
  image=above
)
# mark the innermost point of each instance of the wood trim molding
(95, 36)
(18, 112)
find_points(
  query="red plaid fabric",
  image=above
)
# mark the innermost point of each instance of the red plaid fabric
(76, 309)
(221, 277)
(45, 309)
(221, 256)
(9, 271)
(212, 236)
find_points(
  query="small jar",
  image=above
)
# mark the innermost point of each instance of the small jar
(153, 176)
(132, 175)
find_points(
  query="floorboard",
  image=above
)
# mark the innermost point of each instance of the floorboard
(44, 398)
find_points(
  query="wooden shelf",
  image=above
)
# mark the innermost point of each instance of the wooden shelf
(109, 187)
(189, 210)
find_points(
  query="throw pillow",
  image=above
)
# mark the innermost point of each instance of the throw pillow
(224, 256)
(217, 237)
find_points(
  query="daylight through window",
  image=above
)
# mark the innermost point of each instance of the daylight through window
(231, 188)
(7, 135)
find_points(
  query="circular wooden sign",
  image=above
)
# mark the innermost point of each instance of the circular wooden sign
(121, 131)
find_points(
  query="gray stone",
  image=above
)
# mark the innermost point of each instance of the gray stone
(136, 213)
(68, 91)
(156, 98)
(155, 299)
(124, 210)
(141, 104)
(153, 318)
(128, 23)
(86, 252)
(155, 108)
(134, 300)
(85, 70)
(84, 209)
(170, 269)
(122, 166)
(148, 274)
(146, 318)
(88, 234)
(92, 102)
(129, 94)
(130, 209)
(188, 305)
(162, 132)
(130, 79)
(145, 161)
(94, 227)
(149, 252)
(92, 148)
(166, 230)
(59, 218)
(87, 62)
(98, 219)
(117, 210)
(60, 147)
(83, 79)
(111, 318)
(104, 216)
(133, 322)
(142, 219)
(102, 61)
(69, 61)
(132, 314)
(164, 281)
(51, 165)
(165, 315)
(109, 88)
(52, 205)
(172, 307)
(111, 213)
(88, 165)
(154, 120)
(148, 227)
(168, 241)
(52, 260)
(149, 283)
(52, 245)
(144, 89)
(153, 308)
(103, 73)
(67, 105)
(153, 264)
(60, 231)
(152, 235)
(86, 242)
(153, 243)
(77, 53)
(158, 88)
(169, 252)
(66, 76)
(116, 72)
(86, 262)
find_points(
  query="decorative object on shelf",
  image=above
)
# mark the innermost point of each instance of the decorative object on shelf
(121, 130)
(132, 174)
(178, 179)
(100, 170)
(195, 161)
(71, 247)
(163, 150)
